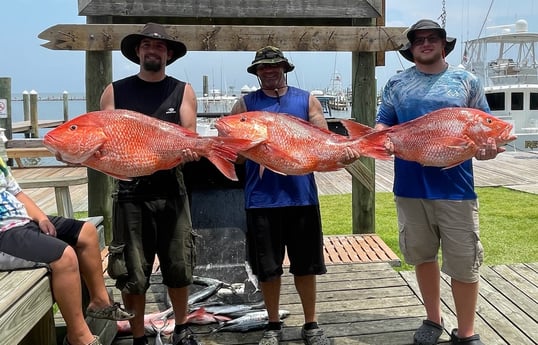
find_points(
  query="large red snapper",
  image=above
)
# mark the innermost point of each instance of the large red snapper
(442, 138)
(289, 145)
(126, 144)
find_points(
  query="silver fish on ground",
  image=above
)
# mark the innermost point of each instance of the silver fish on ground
(248, 322)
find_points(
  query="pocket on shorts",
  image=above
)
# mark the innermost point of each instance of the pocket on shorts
(116, 261)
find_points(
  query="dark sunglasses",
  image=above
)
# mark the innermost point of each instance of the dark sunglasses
(418, 41)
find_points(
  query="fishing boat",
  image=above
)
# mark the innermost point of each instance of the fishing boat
(505, 62)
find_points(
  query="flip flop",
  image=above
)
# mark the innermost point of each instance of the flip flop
(428, 333)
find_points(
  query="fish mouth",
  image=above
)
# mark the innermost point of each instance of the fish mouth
(506, 135)
(222, 127)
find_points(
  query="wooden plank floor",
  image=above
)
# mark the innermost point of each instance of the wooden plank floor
(370, 303)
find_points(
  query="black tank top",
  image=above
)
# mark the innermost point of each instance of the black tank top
(161, 100)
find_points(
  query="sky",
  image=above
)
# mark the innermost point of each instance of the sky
(33, 67)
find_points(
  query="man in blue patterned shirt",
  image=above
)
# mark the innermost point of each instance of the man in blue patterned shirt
(437, 208)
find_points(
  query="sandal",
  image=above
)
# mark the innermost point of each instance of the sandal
(428, 333)
(95, 341)
(472, 340)
(113, 312)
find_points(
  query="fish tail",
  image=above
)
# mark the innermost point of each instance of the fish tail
(224, 151)
(373, 145)
(355, 129)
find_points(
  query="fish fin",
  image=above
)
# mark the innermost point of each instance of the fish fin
(452, 165)
(224, 152)
(356, 129)
(226, 167)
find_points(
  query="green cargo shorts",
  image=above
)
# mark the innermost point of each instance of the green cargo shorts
(143, 229)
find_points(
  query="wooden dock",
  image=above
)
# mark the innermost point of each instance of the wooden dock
(371, 303)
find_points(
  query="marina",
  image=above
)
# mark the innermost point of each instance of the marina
(506, 63)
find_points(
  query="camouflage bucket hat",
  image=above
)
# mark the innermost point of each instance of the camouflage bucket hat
(269, 55)
(426, 24)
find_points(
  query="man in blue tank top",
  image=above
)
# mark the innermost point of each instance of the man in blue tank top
(437, 208)
(283, 211)
(151, 214)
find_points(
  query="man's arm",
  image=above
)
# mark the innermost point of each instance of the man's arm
(188, 109)
(315, 113)
(107, 98)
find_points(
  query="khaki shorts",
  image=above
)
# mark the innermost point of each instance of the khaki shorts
(452, 225)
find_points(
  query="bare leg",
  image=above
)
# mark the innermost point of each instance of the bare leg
(136, 303)
(271, 297)
(67, 293)
(89, 257)
(428, 278)
(179, 298)
(306, 287)
(465, 299)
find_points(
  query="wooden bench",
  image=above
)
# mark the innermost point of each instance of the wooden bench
(26, 301)
(26, 306)
(61, 185)
(26, 148)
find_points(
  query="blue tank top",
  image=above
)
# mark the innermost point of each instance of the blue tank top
(276, 190)
(411, 94)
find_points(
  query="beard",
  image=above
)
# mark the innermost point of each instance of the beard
(430, 60)
(152, 65)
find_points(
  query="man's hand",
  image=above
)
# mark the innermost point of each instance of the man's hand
(351, 155)
(47, 227)
(489, 150)
(188, 156)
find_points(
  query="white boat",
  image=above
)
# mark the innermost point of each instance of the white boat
(505, 61)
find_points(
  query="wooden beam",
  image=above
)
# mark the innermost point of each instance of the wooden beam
(233, 8)
(105, 37)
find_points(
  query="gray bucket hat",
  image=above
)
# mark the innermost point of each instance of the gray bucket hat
(269, 55)
(155, 31)
(426, 24)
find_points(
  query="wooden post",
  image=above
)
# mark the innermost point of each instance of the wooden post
(5, 105)
(363, 110)
(34, 131)
(66, 105)
(98, 76)
(26, 109)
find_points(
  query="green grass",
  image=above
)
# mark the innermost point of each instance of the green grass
(508, 223)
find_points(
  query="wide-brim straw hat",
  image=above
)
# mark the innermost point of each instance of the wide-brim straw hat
(154, 31)
(269, 55)
(426, 24)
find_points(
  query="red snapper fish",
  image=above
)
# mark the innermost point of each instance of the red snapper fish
(126, 144)
(289, 145)
(443, 138)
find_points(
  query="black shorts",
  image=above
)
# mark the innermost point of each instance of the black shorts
(28, 243)
(272, 231)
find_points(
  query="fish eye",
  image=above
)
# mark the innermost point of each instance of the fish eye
(243, 119)
(72, 127)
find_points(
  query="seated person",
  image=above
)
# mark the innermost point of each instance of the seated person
(68, 247)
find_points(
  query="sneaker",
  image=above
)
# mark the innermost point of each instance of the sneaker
(314, 336)
(271, 337)
(185, 337)
(113, 312)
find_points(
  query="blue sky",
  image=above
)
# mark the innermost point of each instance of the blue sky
(33, 67)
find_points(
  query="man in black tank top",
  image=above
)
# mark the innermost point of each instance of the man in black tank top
(151, 214)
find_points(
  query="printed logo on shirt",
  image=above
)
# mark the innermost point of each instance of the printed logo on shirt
(171, 111)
